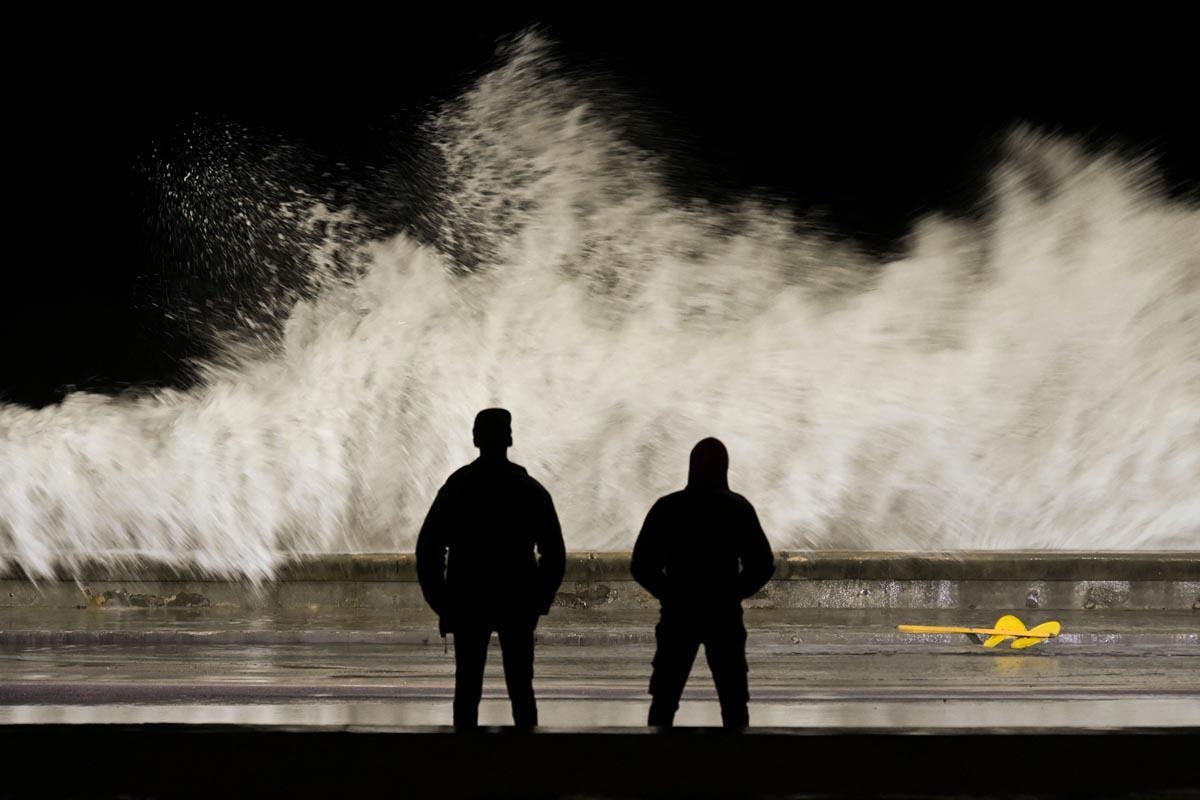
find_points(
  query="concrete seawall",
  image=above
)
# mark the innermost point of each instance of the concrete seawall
(600, 582)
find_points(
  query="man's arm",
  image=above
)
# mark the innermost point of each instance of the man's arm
(758, 562)
(648, 563)
(432, 542)
(552, 555)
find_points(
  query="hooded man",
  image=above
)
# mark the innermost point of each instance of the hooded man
(490, 557)
(701, 552)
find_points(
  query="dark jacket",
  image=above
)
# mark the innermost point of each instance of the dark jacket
(702, 550)
(476, 551)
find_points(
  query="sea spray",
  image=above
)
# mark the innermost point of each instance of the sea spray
(1028, 380)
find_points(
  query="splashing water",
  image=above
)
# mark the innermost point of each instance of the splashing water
(1030, 381)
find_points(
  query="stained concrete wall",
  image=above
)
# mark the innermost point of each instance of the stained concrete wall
(601, 582)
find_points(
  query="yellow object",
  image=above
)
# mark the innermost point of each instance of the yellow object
(1007, 627)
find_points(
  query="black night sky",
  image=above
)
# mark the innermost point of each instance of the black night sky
(869, 123)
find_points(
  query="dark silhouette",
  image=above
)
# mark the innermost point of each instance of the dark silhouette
(688, 555)
(478, 570)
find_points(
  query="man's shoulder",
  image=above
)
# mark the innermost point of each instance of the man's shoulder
(522, 475)
(669, 501)
(741, 501)
(474, 474)
(459, 476)
(685, 499)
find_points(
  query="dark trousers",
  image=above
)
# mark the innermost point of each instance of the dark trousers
(471, 642)
(679, 637)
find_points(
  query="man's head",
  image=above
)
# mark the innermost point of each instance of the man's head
(709, 465)
(493, 429)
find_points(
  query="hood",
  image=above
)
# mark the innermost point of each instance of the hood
(709, 466)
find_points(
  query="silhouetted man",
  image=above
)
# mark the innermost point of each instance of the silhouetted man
(478, 570)
(688, 556)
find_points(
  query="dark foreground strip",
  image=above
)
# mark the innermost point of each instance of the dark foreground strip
(215, 761)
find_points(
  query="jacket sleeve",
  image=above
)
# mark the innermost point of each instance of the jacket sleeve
(552, 554)
(758, 562)
(432, 543)
(648, 564)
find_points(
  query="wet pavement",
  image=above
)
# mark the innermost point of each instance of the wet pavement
(819, 669)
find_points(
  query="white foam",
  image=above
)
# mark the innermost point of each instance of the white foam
(1032, 380)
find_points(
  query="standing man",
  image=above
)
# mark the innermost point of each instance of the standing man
(478, 570)
(688, 556)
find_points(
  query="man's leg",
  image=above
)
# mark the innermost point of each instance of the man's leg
(725, 650)
(677, 646)
(516, 648)
(470, 656)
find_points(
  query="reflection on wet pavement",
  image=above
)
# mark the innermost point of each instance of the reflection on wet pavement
(583, 686)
